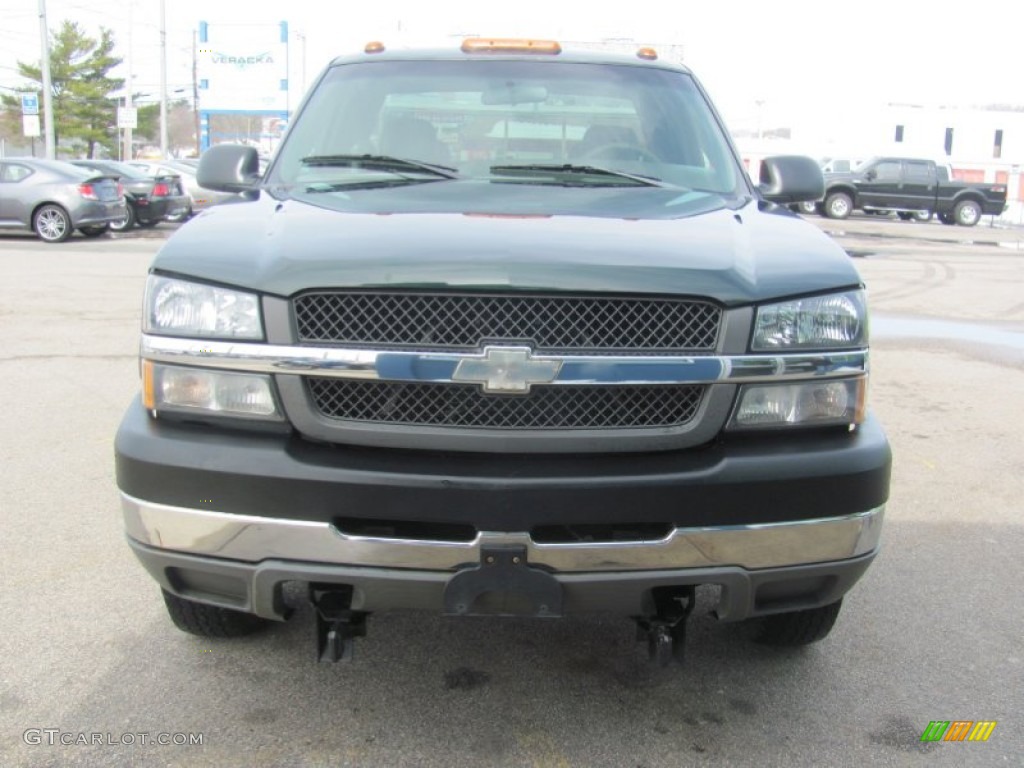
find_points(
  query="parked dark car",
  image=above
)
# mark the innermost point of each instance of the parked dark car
(198, 198)
(54, 198)
(151, 199)
(907, 185)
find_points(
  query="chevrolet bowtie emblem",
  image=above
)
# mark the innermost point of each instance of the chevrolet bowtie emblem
(510, 370)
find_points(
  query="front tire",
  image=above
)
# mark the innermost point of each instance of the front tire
(947, 218)
(210, 621)
(799, 627)
(838, 205)
(95, 231)
(967, 213)
(52, 224)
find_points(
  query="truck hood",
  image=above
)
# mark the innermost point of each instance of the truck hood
(670, 242)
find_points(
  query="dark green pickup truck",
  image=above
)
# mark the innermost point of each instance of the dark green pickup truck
(910, 186)
(504, 330)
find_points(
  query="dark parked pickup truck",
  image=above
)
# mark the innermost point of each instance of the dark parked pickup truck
(908, 186)
(504, 330)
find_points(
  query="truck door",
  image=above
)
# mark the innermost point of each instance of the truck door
(879, 184)
(919, 186)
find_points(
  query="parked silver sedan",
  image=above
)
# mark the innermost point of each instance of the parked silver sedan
(53, 199)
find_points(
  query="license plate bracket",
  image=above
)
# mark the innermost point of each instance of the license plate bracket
(503, 584)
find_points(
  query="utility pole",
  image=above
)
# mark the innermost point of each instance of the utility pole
(44, 34)
(195, 94)
(302, 80)
(128, 154)
(163, 79)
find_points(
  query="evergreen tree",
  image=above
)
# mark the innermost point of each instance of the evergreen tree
(83, 110)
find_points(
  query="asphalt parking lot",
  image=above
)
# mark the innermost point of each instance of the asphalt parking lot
(933, 632)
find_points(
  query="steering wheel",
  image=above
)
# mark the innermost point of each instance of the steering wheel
(620, 152)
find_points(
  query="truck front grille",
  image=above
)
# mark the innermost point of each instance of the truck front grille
(466, 405)
(597, 324)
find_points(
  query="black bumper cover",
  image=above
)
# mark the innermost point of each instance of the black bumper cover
(740, 480)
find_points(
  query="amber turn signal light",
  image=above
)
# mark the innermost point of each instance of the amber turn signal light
(148, 392)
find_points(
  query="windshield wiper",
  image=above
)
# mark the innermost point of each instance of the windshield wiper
(574, 170)
(381, 163)
(353, 185)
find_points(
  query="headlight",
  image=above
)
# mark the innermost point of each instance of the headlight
(810, 403)
(835, 321)
(192, 390)
(181, 308)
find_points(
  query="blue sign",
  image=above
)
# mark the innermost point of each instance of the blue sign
(29, 104)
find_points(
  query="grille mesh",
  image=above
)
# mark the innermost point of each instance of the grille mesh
(465, 405)
(547, 323)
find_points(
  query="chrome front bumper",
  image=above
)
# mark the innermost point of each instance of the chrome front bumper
(242, 562)
(253, 539)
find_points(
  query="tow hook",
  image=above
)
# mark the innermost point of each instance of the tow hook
(665, 631)
(337, 625)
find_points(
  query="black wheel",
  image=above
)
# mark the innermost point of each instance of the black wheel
(126, 223)
(148, 224)
(947, 218)
(209, 621)
(52, 224)
(967, 213)
(838, 205)
(96, 231)
(799, 627)
(905, 215)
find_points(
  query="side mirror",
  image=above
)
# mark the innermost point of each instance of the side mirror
(791, 179)
(871, 175)
(229, 168)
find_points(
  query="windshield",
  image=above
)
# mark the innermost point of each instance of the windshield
(510, 121)
(72, 171)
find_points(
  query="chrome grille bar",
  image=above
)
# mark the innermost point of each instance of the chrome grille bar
(439, 367)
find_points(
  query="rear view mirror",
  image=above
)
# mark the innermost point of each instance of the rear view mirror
(791, 179)
(512, 93)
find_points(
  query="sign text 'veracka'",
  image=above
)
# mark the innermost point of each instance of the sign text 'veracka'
(242, 61)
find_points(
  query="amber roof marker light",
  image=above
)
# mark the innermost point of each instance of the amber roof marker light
(376, 46)
(510, 45)
(647, 53)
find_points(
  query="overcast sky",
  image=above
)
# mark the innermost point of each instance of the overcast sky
(791, 56)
